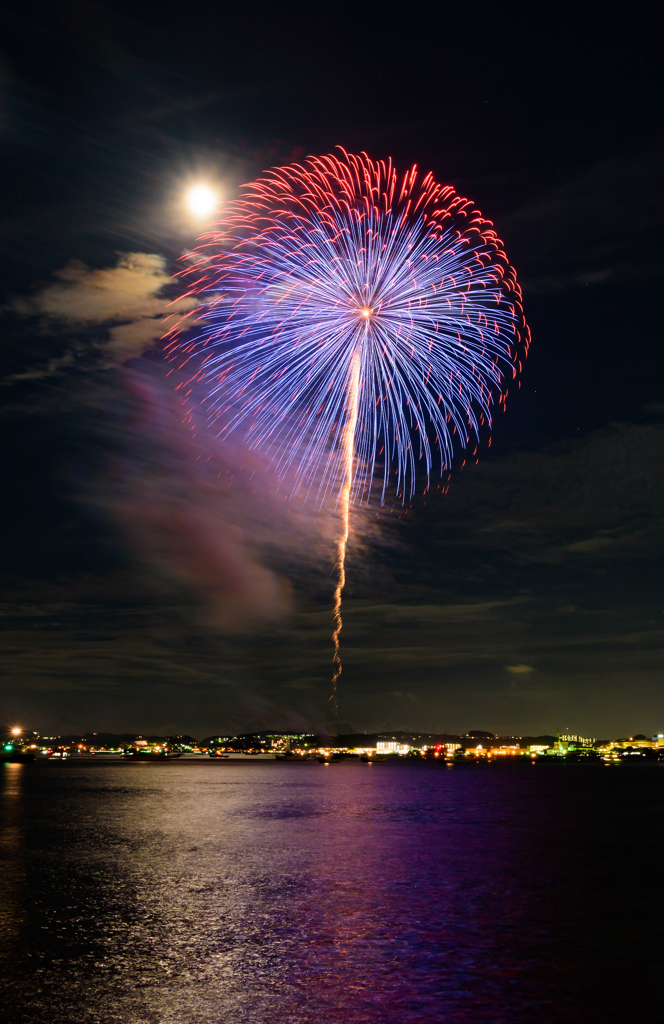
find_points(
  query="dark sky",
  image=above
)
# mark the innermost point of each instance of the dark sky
(139, 591)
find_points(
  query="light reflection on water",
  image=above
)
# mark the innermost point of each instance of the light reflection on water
(203, 892)
(12, 858)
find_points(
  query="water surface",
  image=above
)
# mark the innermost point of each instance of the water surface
(199, 892)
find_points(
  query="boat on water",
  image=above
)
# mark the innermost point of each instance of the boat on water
(218, 754)
(150, 755)
(328, 758)
(370, 758)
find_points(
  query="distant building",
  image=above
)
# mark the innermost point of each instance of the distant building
(579, 741)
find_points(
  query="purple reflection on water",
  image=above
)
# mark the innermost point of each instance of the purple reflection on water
(234, 892)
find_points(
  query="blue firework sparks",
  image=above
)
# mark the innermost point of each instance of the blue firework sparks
(337, 260)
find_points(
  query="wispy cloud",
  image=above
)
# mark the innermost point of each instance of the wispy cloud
(598, 498)
(126, 306)
(602, 223)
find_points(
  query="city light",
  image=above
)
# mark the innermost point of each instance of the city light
(407, 748)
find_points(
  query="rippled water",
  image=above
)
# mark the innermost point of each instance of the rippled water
(242, 892)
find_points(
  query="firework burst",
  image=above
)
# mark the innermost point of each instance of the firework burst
(356, 324)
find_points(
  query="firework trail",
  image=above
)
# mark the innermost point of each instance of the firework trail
(355, 323)
(344, 501)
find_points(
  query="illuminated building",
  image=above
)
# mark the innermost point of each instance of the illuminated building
(391, 747)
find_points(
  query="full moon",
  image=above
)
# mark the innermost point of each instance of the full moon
(201, 200)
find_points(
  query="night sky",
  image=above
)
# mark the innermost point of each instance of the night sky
(141, 592)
